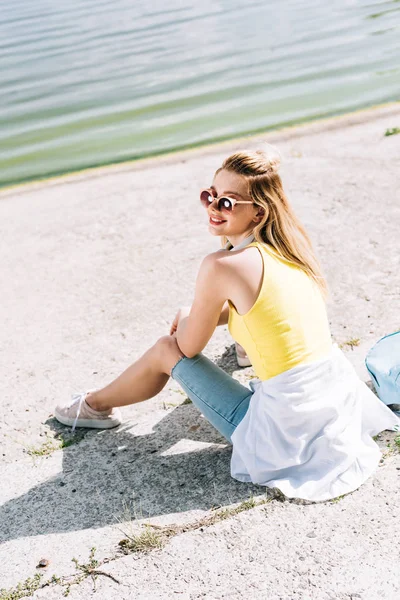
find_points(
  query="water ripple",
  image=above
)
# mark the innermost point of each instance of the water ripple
(93, 82)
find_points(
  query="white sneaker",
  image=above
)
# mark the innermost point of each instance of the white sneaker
(79, 414)
(241, 356)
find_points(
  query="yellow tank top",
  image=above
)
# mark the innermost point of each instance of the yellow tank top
(288, 323)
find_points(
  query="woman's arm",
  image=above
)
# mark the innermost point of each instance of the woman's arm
(224, 316)
(184, 311)
(208, 309)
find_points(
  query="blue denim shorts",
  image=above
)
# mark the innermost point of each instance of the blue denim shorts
(220, 398)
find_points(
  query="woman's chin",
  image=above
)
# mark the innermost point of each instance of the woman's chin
(214, 231)
(217, 230)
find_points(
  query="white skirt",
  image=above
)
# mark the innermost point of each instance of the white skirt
(308, 431)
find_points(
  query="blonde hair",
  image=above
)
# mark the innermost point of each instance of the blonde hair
(279, 228)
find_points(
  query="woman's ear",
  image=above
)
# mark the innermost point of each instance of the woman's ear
(259, 214)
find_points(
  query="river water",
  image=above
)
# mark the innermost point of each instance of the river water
(92, 82)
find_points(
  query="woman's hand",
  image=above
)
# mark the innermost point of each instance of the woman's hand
(182, 312)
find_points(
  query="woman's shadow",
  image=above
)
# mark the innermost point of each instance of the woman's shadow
(182, 464)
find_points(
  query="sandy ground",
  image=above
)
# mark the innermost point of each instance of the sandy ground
(94, 267)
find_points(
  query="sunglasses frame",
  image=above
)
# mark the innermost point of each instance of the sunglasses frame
(219, 198)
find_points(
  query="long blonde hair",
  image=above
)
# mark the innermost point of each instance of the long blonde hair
(279, 228)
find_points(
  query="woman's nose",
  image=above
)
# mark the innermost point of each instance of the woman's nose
(211, 205)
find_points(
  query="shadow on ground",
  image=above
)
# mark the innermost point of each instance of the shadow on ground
(109, 470)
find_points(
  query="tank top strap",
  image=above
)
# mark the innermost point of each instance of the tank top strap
(266, 249)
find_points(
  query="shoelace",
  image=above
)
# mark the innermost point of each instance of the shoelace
(77, 398)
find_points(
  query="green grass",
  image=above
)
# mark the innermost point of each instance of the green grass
(32, 584)
(23, 589)
(392, 131)
(144, 541)
(155, 536)
(58, 442)
(352, 342)
(151, 537)
(45, 449)
(338, 498)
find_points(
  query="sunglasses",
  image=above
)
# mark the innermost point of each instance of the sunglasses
(224, 203)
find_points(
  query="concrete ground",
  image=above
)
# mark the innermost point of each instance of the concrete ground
(94, 268)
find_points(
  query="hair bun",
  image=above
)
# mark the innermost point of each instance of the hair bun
(272, 157)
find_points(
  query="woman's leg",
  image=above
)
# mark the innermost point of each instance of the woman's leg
(222, 400)
(144, 379)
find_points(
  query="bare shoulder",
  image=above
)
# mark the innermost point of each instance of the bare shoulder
(246, 263)
(212, 266)
(233, 275)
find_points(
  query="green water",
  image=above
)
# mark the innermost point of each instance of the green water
(89, 83)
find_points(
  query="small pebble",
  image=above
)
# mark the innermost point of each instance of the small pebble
(62, 483)
(43, 562)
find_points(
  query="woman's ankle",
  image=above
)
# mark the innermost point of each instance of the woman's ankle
(94, 402)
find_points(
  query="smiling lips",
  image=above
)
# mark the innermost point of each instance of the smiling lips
(215, 221)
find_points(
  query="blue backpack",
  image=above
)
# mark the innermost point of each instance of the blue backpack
(383, 364)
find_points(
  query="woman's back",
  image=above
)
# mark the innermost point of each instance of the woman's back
(287, 325)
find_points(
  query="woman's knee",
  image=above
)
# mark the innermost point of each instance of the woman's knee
(168, 352)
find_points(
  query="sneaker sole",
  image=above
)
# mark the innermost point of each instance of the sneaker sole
(243, 362)
(88, 423)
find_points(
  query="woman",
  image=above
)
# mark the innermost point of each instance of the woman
(306, 425)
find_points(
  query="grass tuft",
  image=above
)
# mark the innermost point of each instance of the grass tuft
(142, 542)
(338, 498)
(148, 540)
(85, 570)
(23, 589)
(352, 342)
(392, 131)
(44, 449)
(58, 442)
(32, 584)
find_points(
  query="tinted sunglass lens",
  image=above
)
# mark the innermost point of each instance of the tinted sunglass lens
(225, 204)
(206, 198)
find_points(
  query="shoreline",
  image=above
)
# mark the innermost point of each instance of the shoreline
(299, 129)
